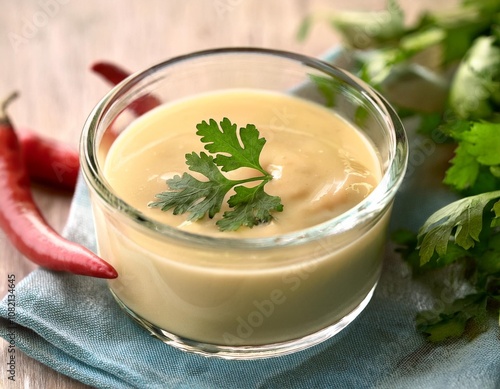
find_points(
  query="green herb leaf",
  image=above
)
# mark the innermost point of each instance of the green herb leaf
(462, 220)
(445, 69)
(225, 140)
(370, 29)
(464, 170)
(187, 194)
(483, 142)
(474, 89)
(328, 87)
(450, 322)
(474, 166)
(250, 206)
(304, 28)
(489, 260)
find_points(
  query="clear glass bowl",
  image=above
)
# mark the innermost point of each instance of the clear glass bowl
(244, 298)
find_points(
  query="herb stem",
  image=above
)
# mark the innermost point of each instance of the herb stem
(265, 178)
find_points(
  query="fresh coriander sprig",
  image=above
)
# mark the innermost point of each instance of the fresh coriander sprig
(461, 222)
(249, 205)
(448, 62)
(465, 230)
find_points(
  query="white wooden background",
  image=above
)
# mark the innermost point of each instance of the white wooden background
(47, 46)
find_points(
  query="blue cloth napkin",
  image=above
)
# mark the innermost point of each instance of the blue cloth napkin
(72, 324)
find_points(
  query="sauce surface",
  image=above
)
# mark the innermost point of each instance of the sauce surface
(321, 165)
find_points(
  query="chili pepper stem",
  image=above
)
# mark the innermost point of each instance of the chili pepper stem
(4, 118)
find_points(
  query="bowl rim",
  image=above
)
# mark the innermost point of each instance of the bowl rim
(374, 204)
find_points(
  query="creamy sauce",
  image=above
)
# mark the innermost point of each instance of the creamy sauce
(321, 165)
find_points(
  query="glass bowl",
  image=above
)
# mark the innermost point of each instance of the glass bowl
(244, 298)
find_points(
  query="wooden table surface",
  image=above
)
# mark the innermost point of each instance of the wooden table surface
(47, 46)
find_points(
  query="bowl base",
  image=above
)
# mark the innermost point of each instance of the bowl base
(248, 352)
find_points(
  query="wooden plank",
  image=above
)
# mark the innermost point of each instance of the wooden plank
(47, 46)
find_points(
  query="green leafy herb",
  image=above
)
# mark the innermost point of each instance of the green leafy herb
(463, 231)
(451, 321)
(476, 158)
(231, 149)
(328, 87)
(444, 70)
(461, 221)
(420, 54)
(361, 29)
(475, 90)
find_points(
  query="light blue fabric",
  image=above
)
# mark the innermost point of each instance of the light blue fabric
(72, 324)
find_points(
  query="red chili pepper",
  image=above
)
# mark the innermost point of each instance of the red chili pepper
(114, 75)
(49, 161)
(23, 223)
(110, 72)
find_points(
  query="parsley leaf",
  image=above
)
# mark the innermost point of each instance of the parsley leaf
(474, 89)
(476, 158)
(464, 170)
(465, 229)
(226, 141)
(186, 191)
(461, 220)
(451, 321)
(444, 69)
(361, 29)
(249, 206)
(483, 141)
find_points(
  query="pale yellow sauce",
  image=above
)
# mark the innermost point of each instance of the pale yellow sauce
(321, 165)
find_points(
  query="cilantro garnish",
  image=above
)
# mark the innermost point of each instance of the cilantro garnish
(249, 205)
